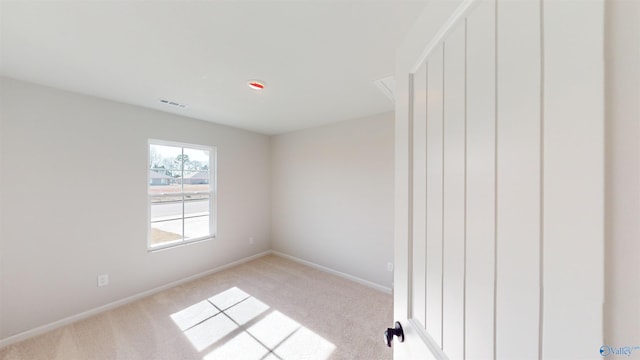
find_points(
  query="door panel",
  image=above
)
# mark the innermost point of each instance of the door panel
(573, 198)
(480, 183)
(518, 179)
(419, 270)
(454, 194)
(435, 167)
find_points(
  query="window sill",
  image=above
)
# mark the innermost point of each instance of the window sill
(173, 245)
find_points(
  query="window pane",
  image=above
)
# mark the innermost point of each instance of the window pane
(196, 160)
(164, 232)
(196, 213)
(165, 157)
(197, 207)
(159, 185)
(165, 169)
(166, 208)
(196, 181)
(196, 227)
(160, 177)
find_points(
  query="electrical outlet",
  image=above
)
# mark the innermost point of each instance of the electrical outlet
(389, 267)
(103, 280)
(251, 241)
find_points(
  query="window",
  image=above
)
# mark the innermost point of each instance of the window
(181, 193)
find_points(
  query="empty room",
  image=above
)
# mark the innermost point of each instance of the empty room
(341, 179)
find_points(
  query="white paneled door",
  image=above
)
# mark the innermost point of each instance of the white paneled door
(499, 170)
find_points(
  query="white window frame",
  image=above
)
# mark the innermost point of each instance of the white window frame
(213, 198)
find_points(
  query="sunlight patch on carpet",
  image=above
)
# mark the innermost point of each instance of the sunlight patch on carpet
(194, 315)
(235, 325)
(241, 347)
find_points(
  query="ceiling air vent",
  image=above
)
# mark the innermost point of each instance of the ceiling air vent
(172, 103)
(387, 85)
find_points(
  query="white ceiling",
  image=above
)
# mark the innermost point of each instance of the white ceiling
(319, 58)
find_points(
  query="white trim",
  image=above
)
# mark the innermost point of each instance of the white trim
(438, 38)
(364, 282)
(95, 311)
(180, 144)
(213, 192)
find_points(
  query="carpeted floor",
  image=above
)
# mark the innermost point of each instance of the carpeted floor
(269, 308)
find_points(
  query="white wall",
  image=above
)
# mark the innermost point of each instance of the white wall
(622, 308)
(74, 202)
(332, 196)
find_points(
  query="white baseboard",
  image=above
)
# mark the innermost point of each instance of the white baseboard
(335, 272)
(71, 319)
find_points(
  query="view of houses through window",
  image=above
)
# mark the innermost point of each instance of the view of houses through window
(181, 193)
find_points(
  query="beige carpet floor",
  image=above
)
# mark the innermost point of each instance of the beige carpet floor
(269, 308)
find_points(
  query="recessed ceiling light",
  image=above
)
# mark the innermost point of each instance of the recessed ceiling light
(256, 84)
